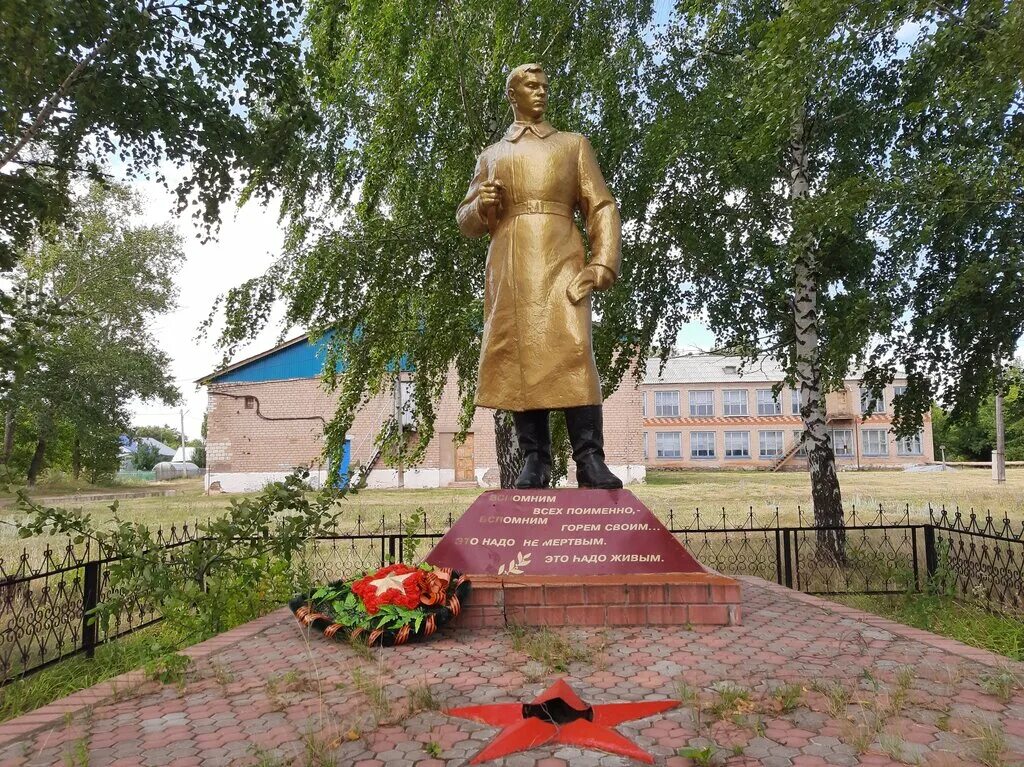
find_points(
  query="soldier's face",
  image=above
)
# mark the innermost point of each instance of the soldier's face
(529, 96)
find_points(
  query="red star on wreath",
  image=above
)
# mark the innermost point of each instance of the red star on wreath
(558, 715)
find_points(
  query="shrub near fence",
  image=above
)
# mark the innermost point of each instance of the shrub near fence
(45, 606)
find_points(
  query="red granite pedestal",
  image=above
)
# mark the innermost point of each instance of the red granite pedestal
(579, 558)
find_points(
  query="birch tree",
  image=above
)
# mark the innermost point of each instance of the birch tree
(770, 131)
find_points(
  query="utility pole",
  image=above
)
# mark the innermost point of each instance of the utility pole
(400, 430)
(999, 457)
(184, 471)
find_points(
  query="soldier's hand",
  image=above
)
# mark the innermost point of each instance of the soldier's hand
(490, 194)
(590, 278)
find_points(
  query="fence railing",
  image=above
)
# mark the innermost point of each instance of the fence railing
(46, 601)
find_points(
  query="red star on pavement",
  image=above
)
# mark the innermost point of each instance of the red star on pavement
(558, 715)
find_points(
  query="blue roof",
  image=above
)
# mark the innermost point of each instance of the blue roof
(297, 358)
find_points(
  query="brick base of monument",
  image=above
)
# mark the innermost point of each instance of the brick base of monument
(664, 599)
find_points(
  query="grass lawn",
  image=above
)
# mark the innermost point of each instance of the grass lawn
(736, 492)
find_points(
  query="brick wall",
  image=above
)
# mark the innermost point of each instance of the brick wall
(280, 426)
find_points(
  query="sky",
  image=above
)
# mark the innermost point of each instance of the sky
(247, 243)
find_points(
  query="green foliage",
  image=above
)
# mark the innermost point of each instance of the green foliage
(971, 435)
(952, 207)
(199, 456)
(248, 561)
(410, 543)
(147, 82)
(738, 77)
(703, 757)
(169, 435)
(405, 96)
(947, 616)
(168, 669)
(146, 457)
(84, 297)
(78, 673)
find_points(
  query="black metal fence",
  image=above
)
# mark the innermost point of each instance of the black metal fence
(46, 599)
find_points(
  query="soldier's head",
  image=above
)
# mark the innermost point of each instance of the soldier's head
(527, 90)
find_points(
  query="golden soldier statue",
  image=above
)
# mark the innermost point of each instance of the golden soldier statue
(537, 353)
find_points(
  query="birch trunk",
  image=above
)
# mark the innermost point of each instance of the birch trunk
(506, 444)
(8, 436)
(821, 461)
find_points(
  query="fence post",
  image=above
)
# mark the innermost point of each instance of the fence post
(778, 556)
(931, 553)
(392, 548)
(90, 598)
(787, 553)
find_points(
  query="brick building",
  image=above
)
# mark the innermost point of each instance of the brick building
(266, 415)
(707, 411)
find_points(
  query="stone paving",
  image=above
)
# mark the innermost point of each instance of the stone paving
(802, 682)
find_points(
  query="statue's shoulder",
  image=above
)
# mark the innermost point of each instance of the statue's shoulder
(488, 151)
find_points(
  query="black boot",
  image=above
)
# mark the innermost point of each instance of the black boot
(535, 442)
(587, 438)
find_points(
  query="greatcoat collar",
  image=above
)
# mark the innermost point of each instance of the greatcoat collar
(516, 130)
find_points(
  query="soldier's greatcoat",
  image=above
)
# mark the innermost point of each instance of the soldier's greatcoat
(537, 351)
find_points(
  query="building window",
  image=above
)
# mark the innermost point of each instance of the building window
(794, 402)
(874, 441)
(798, 436)
(250, 403)
(842, 443)
(702, 444)
(898, 391)
(737, 444)
(668, 444)
(769, 444)
(645, 445)
(768, 403)
(643, 404)
(909, 445)
(702, 403)
(666, 404)
(870, 402)
(734, 402)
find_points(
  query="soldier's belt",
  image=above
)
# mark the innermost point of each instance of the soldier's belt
(539, 206)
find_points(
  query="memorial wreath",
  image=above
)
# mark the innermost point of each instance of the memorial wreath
(394, 605)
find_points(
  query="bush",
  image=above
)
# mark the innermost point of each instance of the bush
(244, 563)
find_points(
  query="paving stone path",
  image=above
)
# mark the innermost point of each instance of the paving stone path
(802, 682)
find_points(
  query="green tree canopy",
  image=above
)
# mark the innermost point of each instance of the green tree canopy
(142, 81)
(87, 292)
(953, 212)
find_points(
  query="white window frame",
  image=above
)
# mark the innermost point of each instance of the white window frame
(643, 404)
(745, 445)
(709, 449)
(865, 441)
(737, 407)
(904, 445)
(770, 407)
(696, 407)
(798, 435)
(646, 452)
(898, 391)
(762, 443)
(666, 409)
(794, 402)
(849, 443)
(658, 438)
(865, 394)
